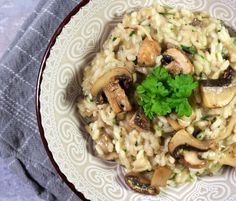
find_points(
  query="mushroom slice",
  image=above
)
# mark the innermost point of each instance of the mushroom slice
(196, 23)
(160, 176)
(217, 93)
(142, 70)
(180, 61)
(111, 156)
(174, 124)
(228, 74)
(139, 121)
(140, 184)
(183, 140)
(174, 68)
(191, 160)
(116, 97)
(166, 59)
(110, 84)
(229, 157)
(148, 51)
(229, 128)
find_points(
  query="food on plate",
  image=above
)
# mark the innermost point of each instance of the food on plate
(159, 98)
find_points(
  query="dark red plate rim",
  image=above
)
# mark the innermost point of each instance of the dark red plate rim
(38, 90)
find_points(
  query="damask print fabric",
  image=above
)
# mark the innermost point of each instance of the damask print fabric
(20, 141)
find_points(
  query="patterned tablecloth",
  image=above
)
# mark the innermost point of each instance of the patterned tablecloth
(12, 14)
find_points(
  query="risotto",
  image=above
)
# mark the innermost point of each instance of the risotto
(159, 98)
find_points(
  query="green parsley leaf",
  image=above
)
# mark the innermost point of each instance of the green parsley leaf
(182, 85)
(161, 107)
(132, 33)
(160, 93)
(140, 89)
(189, 49)
(181, 106)
(184, 108)
(161, 74)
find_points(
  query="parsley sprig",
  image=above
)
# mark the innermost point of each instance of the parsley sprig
(189, 49)
(161, 93)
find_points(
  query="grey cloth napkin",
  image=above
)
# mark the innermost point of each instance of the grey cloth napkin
(20, 141)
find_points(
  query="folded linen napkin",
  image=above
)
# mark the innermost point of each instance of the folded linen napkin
(20, 141)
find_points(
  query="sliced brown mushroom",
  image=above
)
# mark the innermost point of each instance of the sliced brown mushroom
(166, 59)
(148, 51)
(160, 176)
(109, 84)
(174, 124)
(183, 140)
(139, 121)
(229, 128)
(191, 160)
(142, 70)
(217, 93)
(111, 156)
(174, 68)
(104, 141)
(228, 73)
(196, 23)
(179, 63)
(140, 184)
(229, 157)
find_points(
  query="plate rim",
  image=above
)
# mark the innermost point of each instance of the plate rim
(42, 67)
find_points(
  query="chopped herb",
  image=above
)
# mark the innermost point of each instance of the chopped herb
(192, 177)
(172, 176)
(135, 61)
(160, 93)
(193, 30)
(164, 14)
(114, 38)
(189, 49)
(136, 143)
(224, 56)
(114, 121)
(132, 33)
(202, 56)
(125, 150)
(206, 117)
(101, 129)
(90, 100)
(157, 128)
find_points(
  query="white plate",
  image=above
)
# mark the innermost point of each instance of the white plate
(58, 89)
